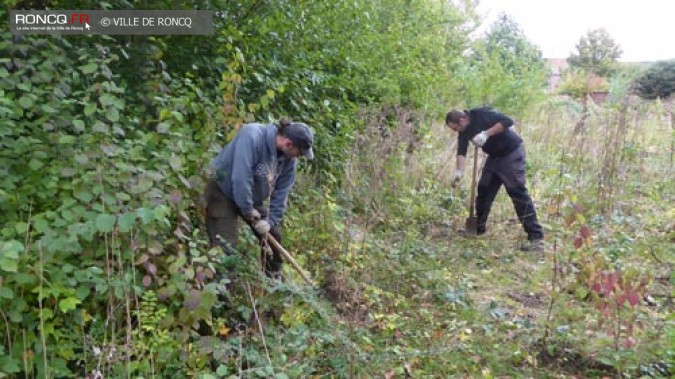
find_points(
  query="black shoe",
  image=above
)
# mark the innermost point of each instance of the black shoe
(275, 275)
(479, 232)
(536, 245)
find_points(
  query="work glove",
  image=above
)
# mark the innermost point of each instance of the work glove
(253, 216)
(480, 139)
(262, 227)
(456, 178)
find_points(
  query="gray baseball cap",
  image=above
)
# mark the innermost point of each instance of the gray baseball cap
(302, 137)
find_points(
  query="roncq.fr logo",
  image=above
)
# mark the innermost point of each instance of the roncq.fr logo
(51, 19)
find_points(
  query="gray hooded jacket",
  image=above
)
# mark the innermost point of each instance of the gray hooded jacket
(249, 170)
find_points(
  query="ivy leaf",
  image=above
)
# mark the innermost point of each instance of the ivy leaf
(9, 255)
(25, 102)
(68, 172)
(123, 196)
(88, 68)
(119, 131)
(175, 162)
(100, 127)
(160, 212)
(163, 127)
(105, 223)
(69, 304)
(9, 365)
(6, 293)
(48, 109)
(35, 164)
(15, 316)
(144, 185)
(126, 221)
(81, 159)
(66, 139)
(146, 215)
(265, 102)
(222, 369)
(101, 288)
(113, 115)
(106, 100)
(78, 125)
(90, 109)
(21, 227)
(85, 197)
(40, 225)
(82, 292)
(177, 115)
(144, 258)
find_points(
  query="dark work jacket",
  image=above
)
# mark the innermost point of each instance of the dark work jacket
(250, 169)
(481, 119)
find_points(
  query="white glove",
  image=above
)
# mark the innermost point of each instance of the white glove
(456, 178)
(480, 138)
(262, 227)
(252, 216)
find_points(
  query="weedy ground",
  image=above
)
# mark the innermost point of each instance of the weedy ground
(406, 295)
(401, 293)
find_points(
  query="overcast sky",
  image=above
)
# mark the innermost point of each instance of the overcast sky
(645, 29)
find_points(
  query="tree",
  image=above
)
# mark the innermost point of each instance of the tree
(514, 50)
(506, 71)
(597, 53)
(658, 81)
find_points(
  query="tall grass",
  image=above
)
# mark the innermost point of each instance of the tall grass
(395, 255)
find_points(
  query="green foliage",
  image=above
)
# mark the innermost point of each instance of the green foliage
(658, 81)
(104, 141)
(518, 54)
(597, 53)
(621, 84)
(104, 266)
(504, 63)
(95, 178)
(579, 84)
(320, 62)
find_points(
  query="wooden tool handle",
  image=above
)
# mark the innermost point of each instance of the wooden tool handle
(279, 249)
(473, 180)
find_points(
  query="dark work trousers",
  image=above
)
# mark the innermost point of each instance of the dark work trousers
(222, 226)
(509, 171)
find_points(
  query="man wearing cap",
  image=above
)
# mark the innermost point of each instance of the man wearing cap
(257, 165)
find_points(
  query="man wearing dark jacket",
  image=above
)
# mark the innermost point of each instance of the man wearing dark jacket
(258, 164)
(490, 130)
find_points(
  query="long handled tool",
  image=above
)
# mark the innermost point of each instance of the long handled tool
(471, 225)
(276, 246)
(279, 249)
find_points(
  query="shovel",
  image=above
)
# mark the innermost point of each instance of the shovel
(471, 224)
